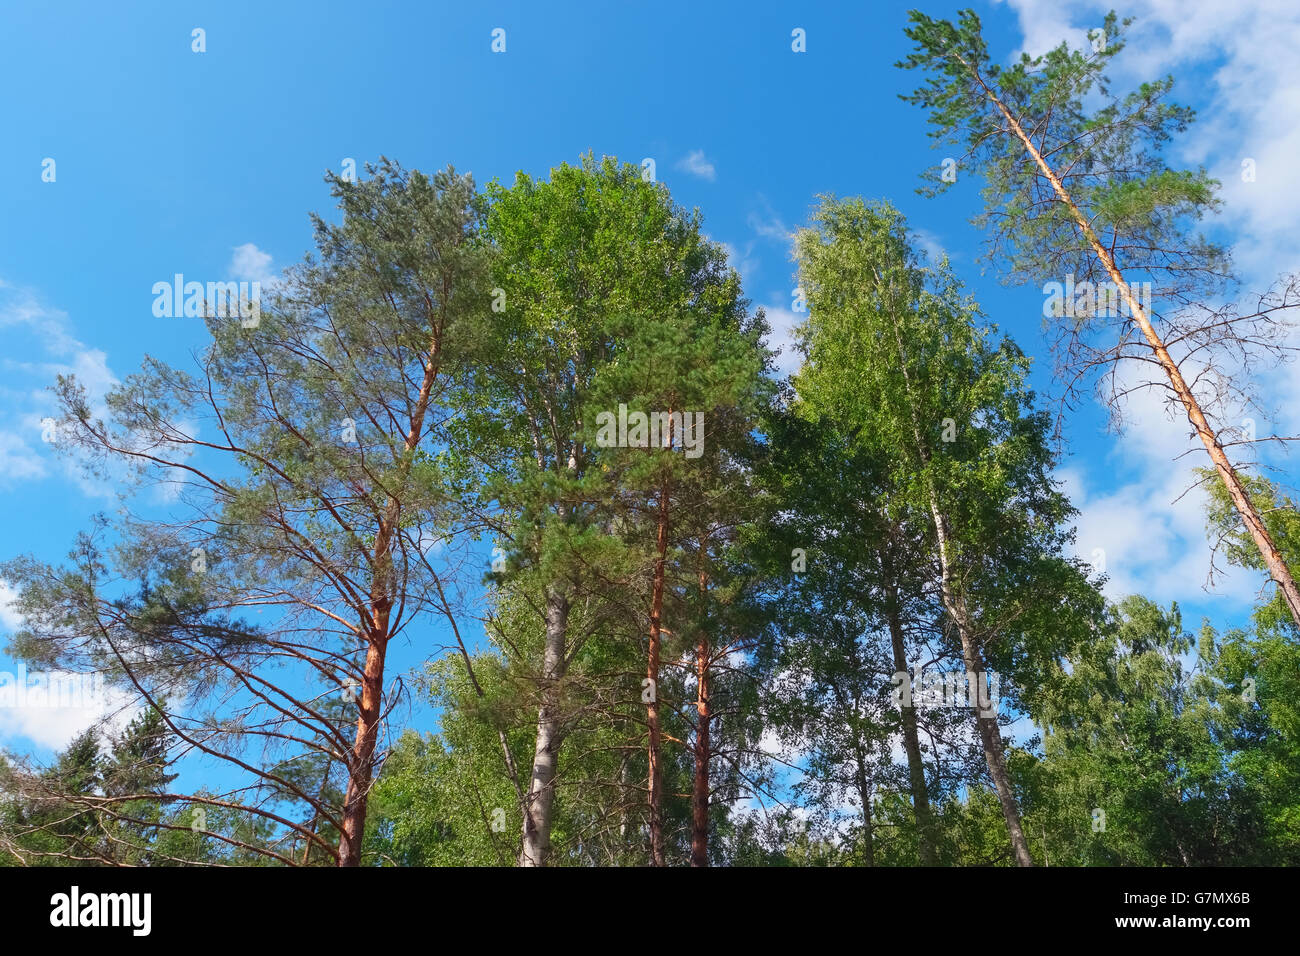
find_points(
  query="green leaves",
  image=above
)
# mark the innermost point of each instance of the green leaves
(1166, 745)
(1229, 537)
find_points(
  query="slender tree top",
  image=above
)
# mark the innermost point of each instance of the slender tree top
(1104, 148)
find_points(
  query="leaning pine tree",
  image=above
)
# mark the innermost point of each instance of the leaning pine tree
(1086, 192)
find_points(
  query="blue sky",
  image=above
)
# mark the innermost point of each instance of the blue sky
(169, 160)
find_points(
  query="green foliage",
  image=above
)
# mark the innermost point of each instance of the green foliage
(1146, 746)
(1227, 532)
(800, 550)
(898, 361)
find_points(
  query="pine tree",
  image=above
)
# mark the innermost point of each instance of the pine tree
(1087, 192)
(314, 474)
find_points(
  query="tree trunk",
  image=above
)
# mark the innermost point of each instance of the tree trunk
(361, 763)
(652, 675)
(864, 795)
(911, 742)
(989, 731)
(995, 757)
(1277, 567)
(955, 603)
(536, 844)
(700, 788)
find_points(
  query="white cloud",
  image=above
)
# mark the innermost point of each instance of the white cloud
(783, 322)
(930, 244)
(45, 330)
(770, 743)
(695, 164)
(56, 727)
(742, 260)
(1150, 531)
(10, 619)
(90, 365)
(19, 309)
(768, 224)
(251, 264)
(18, 461)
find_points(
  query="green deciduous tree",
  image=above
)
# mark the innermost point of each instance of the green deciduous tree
(900, 361)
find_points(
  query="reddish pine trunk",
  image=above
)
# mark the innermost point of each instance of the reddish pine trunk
(700, 789)
(361, 760)
(361, 767)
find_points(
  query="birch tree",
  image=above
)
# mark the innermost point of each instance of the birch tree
(855, 607)
(901, 361)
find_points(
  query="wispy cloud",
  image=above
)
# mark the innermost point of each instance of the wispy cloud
(768, 224)
(930, 244)
(44, 330)
(742, 260)
(10, 619)
(18, 460)
(1150, 531)
(695, 163)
